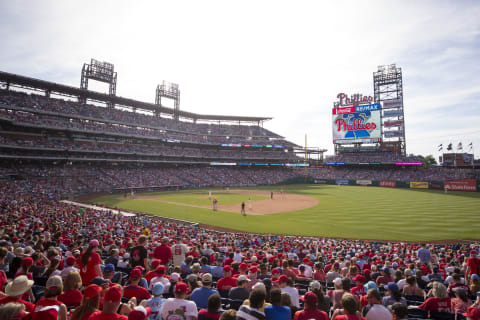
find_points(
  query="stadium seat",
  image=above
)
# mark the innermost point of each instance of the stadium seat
(416, 313)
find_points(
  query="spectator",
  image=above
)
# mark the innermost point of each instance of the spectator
(90, 303)
(53, 289)
(200, 295)
(139, 255)
(14, 291)
(324, 302)
(179, 305)
(12, 310)
(393, 295)
(399, 311)
(276, 311)
(133, 289)
(156, 302)
(213, 312)
(311, 311)
(72, 296)
(252, 310)
(375, 309)
(111, 303)
(240, 292)
(89, 263)
(349, 311)
(440, 302)
(286, 285)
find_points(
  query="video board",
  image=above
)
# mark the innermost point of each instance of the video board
(357, 124)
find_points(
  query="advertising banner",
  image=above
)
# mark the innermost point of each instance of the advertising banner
(393, 123)
(387, 184)
(461, 185)
(320, 181)
(342, 182)
(364, 182)
(393, 103)
(436, 185)
(357, 124)
(392, 113)
(418, 185)
(390, 134)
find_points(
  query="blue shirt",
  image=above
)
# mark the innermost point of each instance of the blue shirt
(200, 296)
(156, 304)
(278, 313)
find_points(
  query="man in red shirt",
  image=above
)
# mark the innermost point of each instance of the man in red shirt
(111, 303)
(227, 282)
(473, 264)
(358, 291)
(163, 252)
(133, 289)
(310, 311)
(15, 289)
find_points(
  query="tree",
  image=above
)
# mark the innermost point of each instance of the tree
(427, 160)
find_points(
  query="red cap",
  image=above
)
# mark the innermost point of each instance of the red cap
(135, 273)
(181, 287)
(359, 278)
(91, 291)
(160, 269)
(283, 278)
(71, 260)
(227, 269)
(310, 298)
(306, 260)
(113, 294)
(253, 270)
(27, 261)
(243, 266)
(140, 313)
(473, 252)
(155, 263)
(275, 271)
(336, 265)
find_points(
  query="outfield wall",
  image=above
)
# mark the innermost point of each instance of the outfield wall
(467, 185)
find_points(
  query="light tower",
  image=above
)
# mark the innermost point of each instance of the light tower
(99, 71)
(171, 91)
(388, 91)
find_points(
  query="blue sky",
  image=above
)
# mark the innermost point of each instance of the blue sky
(282, 59)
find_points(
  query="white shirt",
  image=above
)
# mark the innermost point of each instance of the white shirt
(174, 308)
(293, 292)
(378, 312)
(162, 280)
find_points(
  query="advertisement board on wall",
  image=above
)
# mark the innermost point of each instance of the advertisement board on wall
(364, 182)
(387, 184)
(461, 185)
(392, 113)
(393, 123)
(392, 103)
(391, 134)
(342, 182)
(357, 124)
(418, 185)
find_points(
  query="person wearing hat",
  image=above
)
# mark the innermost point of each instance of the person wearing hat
(89, 262)
(460, 302)
(179, 252)
(324, 302)
(310, 311)
(111, 303)
(240, 292)
(473, 265)
(393, 295)
(200, 295)
(252, 274)
(53, 288)
(334, 273)
(160, 278)
(385, 278)
(70, 261)
(163, 252)
(457, 283)
(156, 302)
(110, 274)
(359, 289)
(276, 311)
(140, 313)
(179, 305)
(133, 289)
(286, 285)
(227, 282)
(375, 309)
(14, 291)
(90, 303)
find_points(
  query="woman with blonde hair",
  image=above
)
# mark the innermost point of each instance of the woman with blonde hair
(72, 296)
(12, 310)
(440, 302)
(53, 289)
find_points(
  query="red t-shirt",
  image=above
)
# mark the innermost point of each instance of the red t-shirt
(358, 291)
(135, 291)
(205, 313)
(71, 298)
(3, 280)
(308, 314)
(349, 317)
(164, 253)
(436, 305)
(29, 307)
(474, 264)
(88, 272)
(107, 316)
(226, 283)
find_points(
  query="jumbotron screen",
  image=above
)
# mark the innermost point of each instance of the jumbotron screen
(357, 124)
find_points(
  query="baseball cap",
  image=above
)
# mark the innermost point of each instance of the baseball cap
(315, 285)
(473, 313)
(47, 313)
(139, 313)
(135, 273)
(275, 271)
(99, 281)
(181, 287)
(359, 278)
(473, 252)
(93, 243)
(157, 288)
(392, 286)
(243, 266)
(475, 276)
(155, 263)
(71, 260)
(253, 269)
(91, 291)
(109, 268)
(386, 270)
(336, 265)
(310, 298)
(242, 278)
(338, 282)
(227, 269)
(174, 277)
(27, 261)
(283, 278)
(160, 269)
(113, 294)
(206, 277)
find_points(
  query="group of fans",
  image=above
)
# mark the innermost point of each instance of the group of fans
(60, 261)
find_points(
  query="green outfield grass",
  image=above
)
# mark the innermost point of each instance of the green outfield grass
(343, 212)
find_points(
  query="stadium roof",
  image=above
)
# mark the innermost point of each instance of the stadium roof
(61, 89)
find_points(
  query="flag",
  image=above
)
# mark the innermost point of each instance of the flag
(471, 145)
(449, 148)
(440, 147)
(459, 146)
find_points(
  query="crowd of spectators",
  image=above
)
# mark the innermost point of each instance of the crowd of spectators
(60, 261)
(371, 156)
(39, 110)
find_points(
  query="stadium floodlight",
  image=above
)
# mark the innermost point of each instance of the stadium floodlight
(100, 71)
(171, 91)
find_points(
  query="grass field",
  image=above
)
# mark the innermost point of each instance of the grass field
(342, 212)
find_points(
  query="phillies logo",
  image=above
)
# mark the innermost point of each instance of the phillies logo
(354, 99)
(355, 126)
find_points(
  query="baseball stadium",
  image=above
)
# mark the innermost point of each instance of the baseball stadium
(114, 207)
